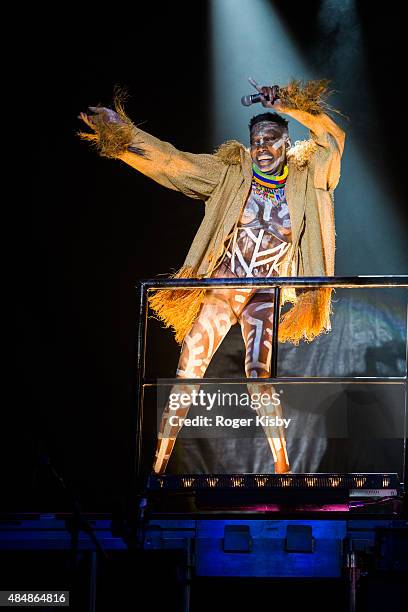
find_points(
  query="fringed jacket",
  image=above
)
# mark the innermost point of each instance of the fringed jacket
(223, 181)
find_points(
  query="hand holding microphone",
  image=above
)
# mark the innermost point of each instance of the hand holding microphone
(266, 95)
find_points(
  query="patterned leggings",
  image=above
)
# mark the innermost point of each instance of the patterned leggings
(220, 309)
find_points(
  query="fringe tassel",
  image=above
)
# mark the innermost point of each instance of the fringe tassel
(177, 308)
(230, 152)
(111, 137)
(308, 318)
(301, 152)
(309, 96)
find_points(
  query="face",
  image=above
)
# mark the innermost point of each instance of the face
(268, 146)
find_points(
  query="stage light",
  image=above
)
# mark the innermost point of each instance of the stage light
(212, 482)
(261, 482)
(217, 491)
(339, 26)
(248, 39)
(323, 481)
(187, 482)
(286, 482)
(334, 481)
(360, 482)
(237, 481)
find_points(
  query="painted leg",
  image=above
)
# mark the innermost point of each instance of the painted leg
(166, 437)
(199, 345)
(256, 325)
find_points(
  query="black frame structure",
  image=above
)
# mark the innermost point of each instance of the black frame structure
(345, 282)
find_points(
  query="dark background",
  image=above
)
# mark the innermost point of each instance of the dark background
(87, 228)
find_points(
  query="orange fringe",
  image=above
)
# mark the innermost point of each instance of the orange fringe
(308, 317)
(177, 308)
(309, 96)
(112, 138)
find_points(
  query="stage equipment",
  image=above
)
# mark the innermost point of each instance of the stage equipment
(311, 485)
(274, 493)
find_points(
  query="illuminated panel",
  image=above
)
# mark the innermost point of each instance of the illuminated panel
(211, 481)
(237, 482)
(187, 482)
(260, 482)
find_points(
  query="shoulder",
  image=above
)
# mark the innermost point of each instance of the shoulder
(231, 152)
(302, 152)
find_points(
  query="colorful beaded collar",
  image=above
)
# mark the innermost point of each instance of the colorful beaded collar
(269, 180)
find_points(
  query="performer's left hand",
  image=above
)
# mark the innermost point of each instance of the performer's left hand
(270, 97)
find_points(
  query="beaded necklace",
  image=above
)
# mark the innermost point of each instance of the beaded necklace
(269, 180)
(269, 187)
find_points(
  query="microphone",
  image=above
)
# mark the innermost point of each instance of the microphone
(251, 99)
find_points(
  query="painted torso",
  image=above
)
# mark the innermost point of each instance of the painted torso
(263, 234)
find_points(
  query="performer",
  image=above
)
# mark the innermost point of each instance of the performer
(269, 212)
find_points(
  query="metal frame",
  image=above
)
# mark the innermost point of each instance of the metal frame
(346, 282)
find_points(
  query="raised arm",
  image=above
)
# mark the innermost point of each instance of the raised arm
(114, 135)
(305, 102)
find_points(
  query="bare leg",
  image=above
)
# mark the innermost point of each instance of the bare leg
(256, 325)
(209, 329)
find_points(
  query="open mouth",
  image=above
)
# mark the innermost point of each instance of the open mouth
(265, 161)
